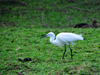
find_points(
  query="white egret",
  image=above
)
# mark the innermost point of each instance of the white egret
(64, 38)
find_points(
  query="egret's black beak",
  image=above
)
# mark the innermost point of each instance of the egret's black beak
(44, 36)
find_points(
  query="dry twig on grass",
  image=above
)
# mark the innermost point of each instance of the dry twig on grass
(43, 20)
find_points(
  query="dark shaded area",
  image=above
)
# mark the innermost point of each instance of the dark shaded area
(85, 25)
(44, 13)
(6, 8)
(25, 59)
(80, 25)
(9, 2)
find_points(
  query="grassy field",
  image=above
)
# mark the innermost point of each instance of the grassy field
(56, 13)
(21, 28)
(46, 58)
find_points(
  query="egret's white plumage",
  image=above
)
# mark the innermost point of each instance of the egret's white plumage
(64, 38)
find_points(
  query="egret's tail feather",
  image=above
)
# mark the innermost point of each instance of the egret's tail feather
(80, 34)
(81, 38)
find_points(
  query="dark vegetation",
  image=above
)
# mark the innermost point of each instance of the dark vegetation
(24, 60)
(58, 13)
(85, 25)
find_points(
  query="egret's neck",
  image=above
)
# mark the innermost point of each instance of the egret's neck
(52, 39)
(55, 42)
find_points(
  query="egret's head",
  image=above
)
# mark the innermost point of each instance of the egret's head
(50, 34)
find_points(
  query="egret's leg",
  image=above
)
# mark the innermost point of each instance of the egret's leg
(64, 52)
(71, 52)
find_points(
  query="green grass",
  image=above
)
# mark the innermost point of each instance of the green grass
(46, 58)
(21, 28)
